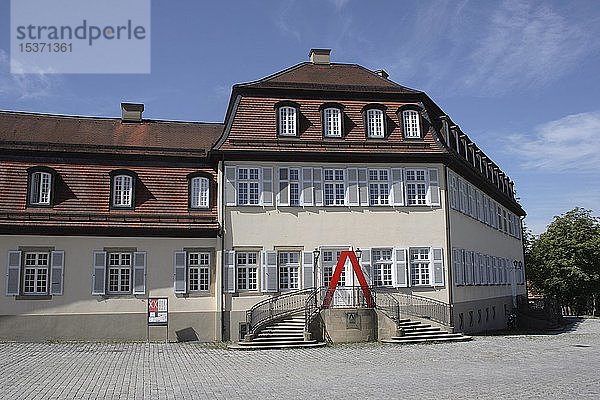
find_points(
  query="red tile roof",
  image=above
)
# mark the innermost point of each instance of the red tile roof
(344, 77)
(23, 129)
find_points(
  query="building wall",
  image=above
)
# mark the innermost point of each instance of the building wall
(79, 315)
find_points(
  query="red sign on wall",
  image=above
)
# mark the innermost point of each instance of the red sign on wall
(339, 268)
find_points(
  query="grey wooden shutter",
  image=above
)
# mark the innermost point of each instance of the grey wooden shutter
(363, 187)
(308, 270)
(13, 273)
(57, 266)
(139, 272)
(317, 182)
(438, 266)
(267, 186)
(269, 271)
(463, 266)
(179, 272)
(458, 273)
(230, 191)
(283, 199)
(397, 187)
(434, 187)
(476, 274)
(307, 187)
(400, 268)
(99, 273)
(367, 266)
(229, 271)
(451, 184)
(352, 188)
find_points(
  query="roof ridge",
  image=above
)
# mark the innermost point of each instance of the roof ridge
(275, 75)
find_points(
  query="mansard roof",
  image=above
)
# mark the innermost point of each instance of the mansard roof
(21, 130)
(331, 77)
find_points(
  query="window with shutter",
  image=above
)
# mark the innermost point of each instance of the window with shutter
(289, 270)
(382, 262)
(247, 270)
(400, 272)
(308, 270)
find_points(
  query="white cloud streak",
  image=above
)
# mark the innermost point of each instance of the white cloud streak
(569, 143)
(20, 86)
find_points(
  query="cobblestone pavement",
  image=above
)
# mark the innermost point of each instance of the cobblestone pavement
(558, 366)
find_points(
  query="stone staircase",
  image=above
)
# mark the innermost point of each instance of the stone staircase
(287, 333)
(420, 332)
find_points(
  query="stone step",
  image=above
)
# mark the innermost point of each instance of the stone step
(281, 330)
(420, 331)
(270, 334)
(291, 345)
(277, 338)
(460, 338)
(429, 336)
(288, 325)
(274, 342)
(409, 323)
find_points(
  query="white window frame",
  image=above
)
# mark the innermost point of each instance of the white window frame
(420, 267)
(248, 183)
(375, 120)
(332, 122)
(38, 271)
(379, 187)
(383, 264)
(123, 269)
(288, 119)
(251, 271)
(40, 188)
(412, 124)
(334, 187)
(198, 265)
(295, 183)
(414, 196)
(289, 270)
(199, 192)
(328, 265)
(122, 191)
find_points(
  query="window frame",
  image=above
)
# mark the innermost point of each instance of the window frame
(420, 266)
(289, 266)
(334, 184)
(407, 122)
(36, 267)
(121, 267)
(379, 265)
(43, 171)
(200, 267)
(369, 131)
(416, 183)
(114, 175)
(203, 177)
(326, 127)
(248, 181)
(248, 268)
(378, 182)
(287, 105)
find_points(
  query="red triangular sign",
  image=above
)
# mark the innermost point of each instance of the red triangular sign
(338, 272)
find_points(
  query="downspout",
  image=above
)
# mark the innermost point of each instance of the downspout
(222, 231)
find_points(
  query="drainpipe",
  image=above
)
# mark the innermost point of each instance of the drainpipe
(222, 228)
(449, 246)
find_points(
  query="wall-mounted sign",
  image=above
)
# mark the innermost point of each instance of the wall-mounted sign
(158, 308)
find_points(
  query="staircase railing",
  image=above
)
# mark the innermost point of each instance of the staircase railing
(312, 306)
(274, 308)
(388, 304)
(424, 307)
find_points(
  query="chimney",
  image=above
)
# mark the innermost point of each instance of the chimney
(382, 73)
(320, 56)
(131, 112)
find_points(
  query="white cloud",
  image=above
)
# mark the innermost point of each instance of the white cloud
(525, 45)
(20, 86)
(569, 143)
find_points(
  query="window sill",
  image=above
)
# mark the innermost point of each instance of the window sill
(34, 297)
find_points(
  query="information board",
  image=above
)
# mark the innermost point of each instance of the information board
(158, 310)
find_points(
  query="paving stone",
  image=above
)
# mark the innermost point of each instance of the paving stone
(489, 367)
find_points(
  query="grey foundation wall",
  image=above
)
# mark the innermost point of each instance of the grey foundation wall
(482, 316)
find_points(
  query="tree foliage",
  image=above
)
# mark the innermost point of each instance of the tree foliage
(564, 261)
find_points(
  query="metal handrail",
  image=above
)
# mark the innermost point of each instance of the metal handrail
(424, 307)
(274, 308)
(312, 306)
(388, 304)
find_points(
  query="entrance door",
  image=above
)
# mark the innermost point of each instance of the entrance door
(343, 296)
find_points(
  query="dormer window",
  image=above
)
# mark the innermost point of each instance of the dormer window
(41, 183)
(288, 121)
(199, 192)
(332, 122)
(122, 189)
(411, 123)
(375, 119)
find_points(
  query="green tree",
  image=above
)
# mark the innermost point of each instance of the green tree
(564, 261)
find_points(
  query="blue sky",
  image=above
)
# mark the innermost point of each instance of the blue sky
(521, 78)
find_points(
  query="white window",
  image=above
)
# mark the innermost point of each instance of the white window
(416, 187)
(375, 123)
(379, 187)
(287, 121)
(35, 276)
(289, 270)
(247, 271)
(382, 267)
(332, 121)
(412, 127)
(248, 186)
(294, 176)
(198, 271)
(419, 266)
(122, 191)
(119, 273)
(330, 259)
(335, 188)
(199, 192)
(39, 188)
